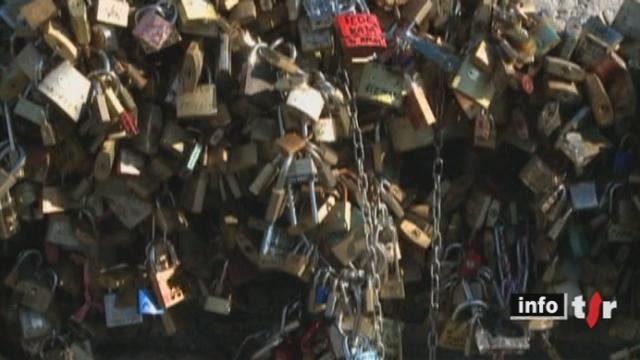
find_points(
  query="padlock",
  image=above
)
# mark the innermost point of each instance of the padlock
(562, 91)
(223, 74)
(192, 66)
(350, 246)
(198, 17)
(242, 157)
(538, 177)
(314, 40)
(485, 132)
(549, 119)
(473, 83)
(30, 61)
(55, 37)
(67, 88)
(113, 12)
(414, 234)
(564, 69)
(30, 111)
(572, 32)
(9, 221)
(404, 137)
(104, 160)
(33, 324)
(320, 13)
(154, 31)
(118, 316)
(380, 86)
(302, 171)
(79, 21)
(129, 209)
(360, 34)
(419, 109)
(163, 273)
(305, 102)
(200, 103)
(546, 37)
(591, 49)
(36, 13)
(622, 94)
(194, 191)
(36, 296)
(244, 12)
(129, 162)
(338, 217)
(295, 263)
(392, 286)
(584, 196)
(600, 103)
(169, 217)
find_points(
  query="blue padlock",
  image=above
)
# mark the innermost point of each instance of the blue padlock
(147, 304)
(625, 158)
(322, 294)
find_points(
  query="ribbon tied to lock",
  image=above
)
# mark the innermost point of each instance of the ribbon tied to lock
(89, 303)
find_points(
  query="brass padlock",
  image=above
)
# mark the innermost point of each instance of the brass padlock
(163, 273)
(473, 83)
(200, 103)
(404, 137)
(9, 221)
(295, 263)
(418, 107)
(562, 91)
(36, 296)
(414, 234)
(104, 160)
(380, 86)
(600, 103)
(79, 21)
(55, 37)
(37, 12)
(564, 69)
(244, 12)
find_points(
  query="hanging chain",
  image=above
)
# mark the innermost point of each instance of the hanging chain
(436, 244)
(373, 215)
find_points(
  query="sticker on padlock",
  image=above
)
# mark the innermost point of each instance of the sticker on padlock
(113, 12)
(154, 31)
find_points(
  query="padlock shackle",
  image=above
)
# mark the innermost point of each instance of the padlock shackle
(24, 255)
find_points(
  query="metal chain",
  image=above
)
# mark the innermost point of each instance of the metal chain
(436, 244)
(371, 214)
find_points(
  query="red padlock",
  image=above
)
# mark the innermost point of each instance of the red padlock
(470, 264)
(360, 34)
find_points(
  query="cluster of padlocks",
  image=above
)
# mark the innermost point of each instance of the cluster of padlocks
(164, 156)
